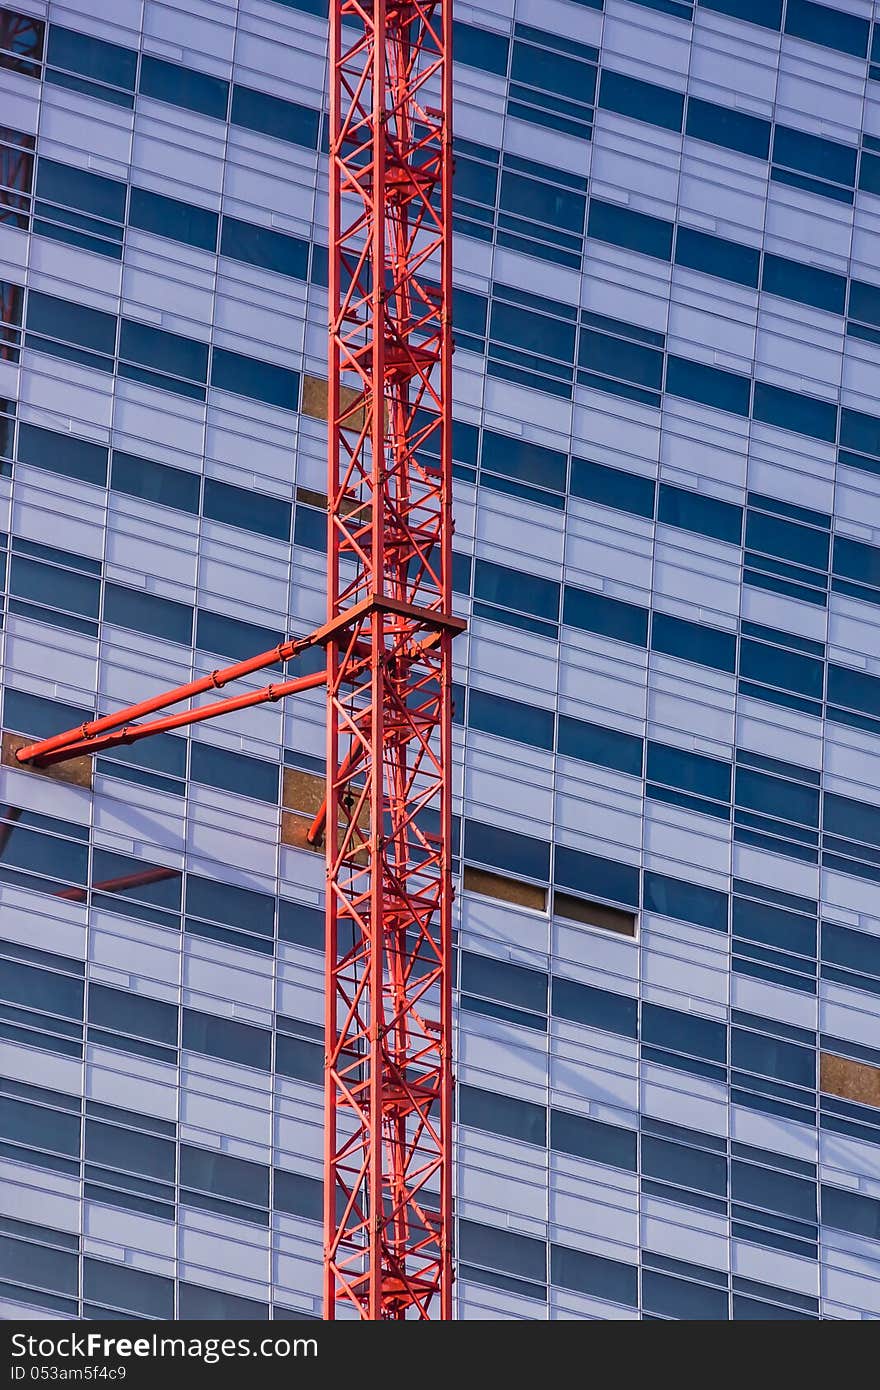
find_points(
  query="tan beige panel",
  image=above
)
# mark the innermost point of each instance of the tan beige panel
(841, 1076)
(77, 772)
(594, 914)
(508, 890)
(314, 401)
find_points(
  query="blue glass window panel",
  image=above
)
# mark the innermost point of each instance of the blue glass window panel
(812, 154)
(46, 990)
(163, 352)
(23, 44)
(593, 1139)
(789, 410)
(521, 855)
(236, 1178)
(609, 617)
(538, 201)
(519, 458)
(490, 978)
(858, 561)
(682, 1299)
(230, 1041)
(728, 260)
(129, 1150)
(261, 246)
(594, 743)
(734, 130)
(612, 487)
(124, 1011)
(694, 642)
(301, 924)
(864, 300)
(692, 511)
(269, 115)
(488, 1246)
(506, 1115)
(851, 1211)
(860, 435)
(711, 386)
(57, 587)
(226, 902)
(679, 9)
(71, 323)
(157, 617)
(260, 381)
(609, 355)
(528, 593)
(39, 1127)
(686, 1033)
(692, 772)
(232, 637)
(27, 1264)
(195, 91)
(787, 670)
(121, 1286)
(596, 877)
(596, 1008)
(298, 1195)
(644, 101)
(75, 188)
(493, 714)
(111, 68)
(234, 772)
(688, 902)
(537, 333)
(636, 231)
(549, 69)
(479, 48)
(35, 853)
(773, 1191)
(769, 1056)
(773, 796)
(200, 1304)
(855, 690)
(807, 284)
(774, 926)
(594, 1275)
(155, 482)
(833, 28)
(169, 217)
(773, 536)
(63, 454)
(245, 508)
(845, 816)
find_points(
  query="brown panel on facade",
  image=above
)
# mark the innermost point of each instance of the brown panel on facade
(302, 794)
(76, 773)
(841, 1076)
(594, 914)
(319, 500)
(301, 791)
(314, 401)
(301, 797)
(508, 890)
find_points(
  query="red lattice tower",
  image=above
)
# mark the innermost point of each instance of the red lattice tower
(388, 637)
(388, 1203)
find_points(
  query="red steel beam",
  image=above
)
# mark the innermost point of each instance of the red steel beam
(388, 1097)
(132, 733)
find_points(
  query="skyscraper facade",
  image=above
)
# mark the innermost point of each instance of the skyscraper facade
(667, 459)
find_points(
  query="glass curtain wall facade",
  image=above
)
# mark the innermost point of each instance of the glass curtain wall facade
(667, 446)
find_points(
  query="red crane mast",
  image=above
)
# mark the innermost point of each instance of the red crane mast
(386, 817)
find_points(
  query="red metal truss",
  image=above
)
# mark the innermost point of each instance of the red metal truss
(386, 816)
(388, 1192)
